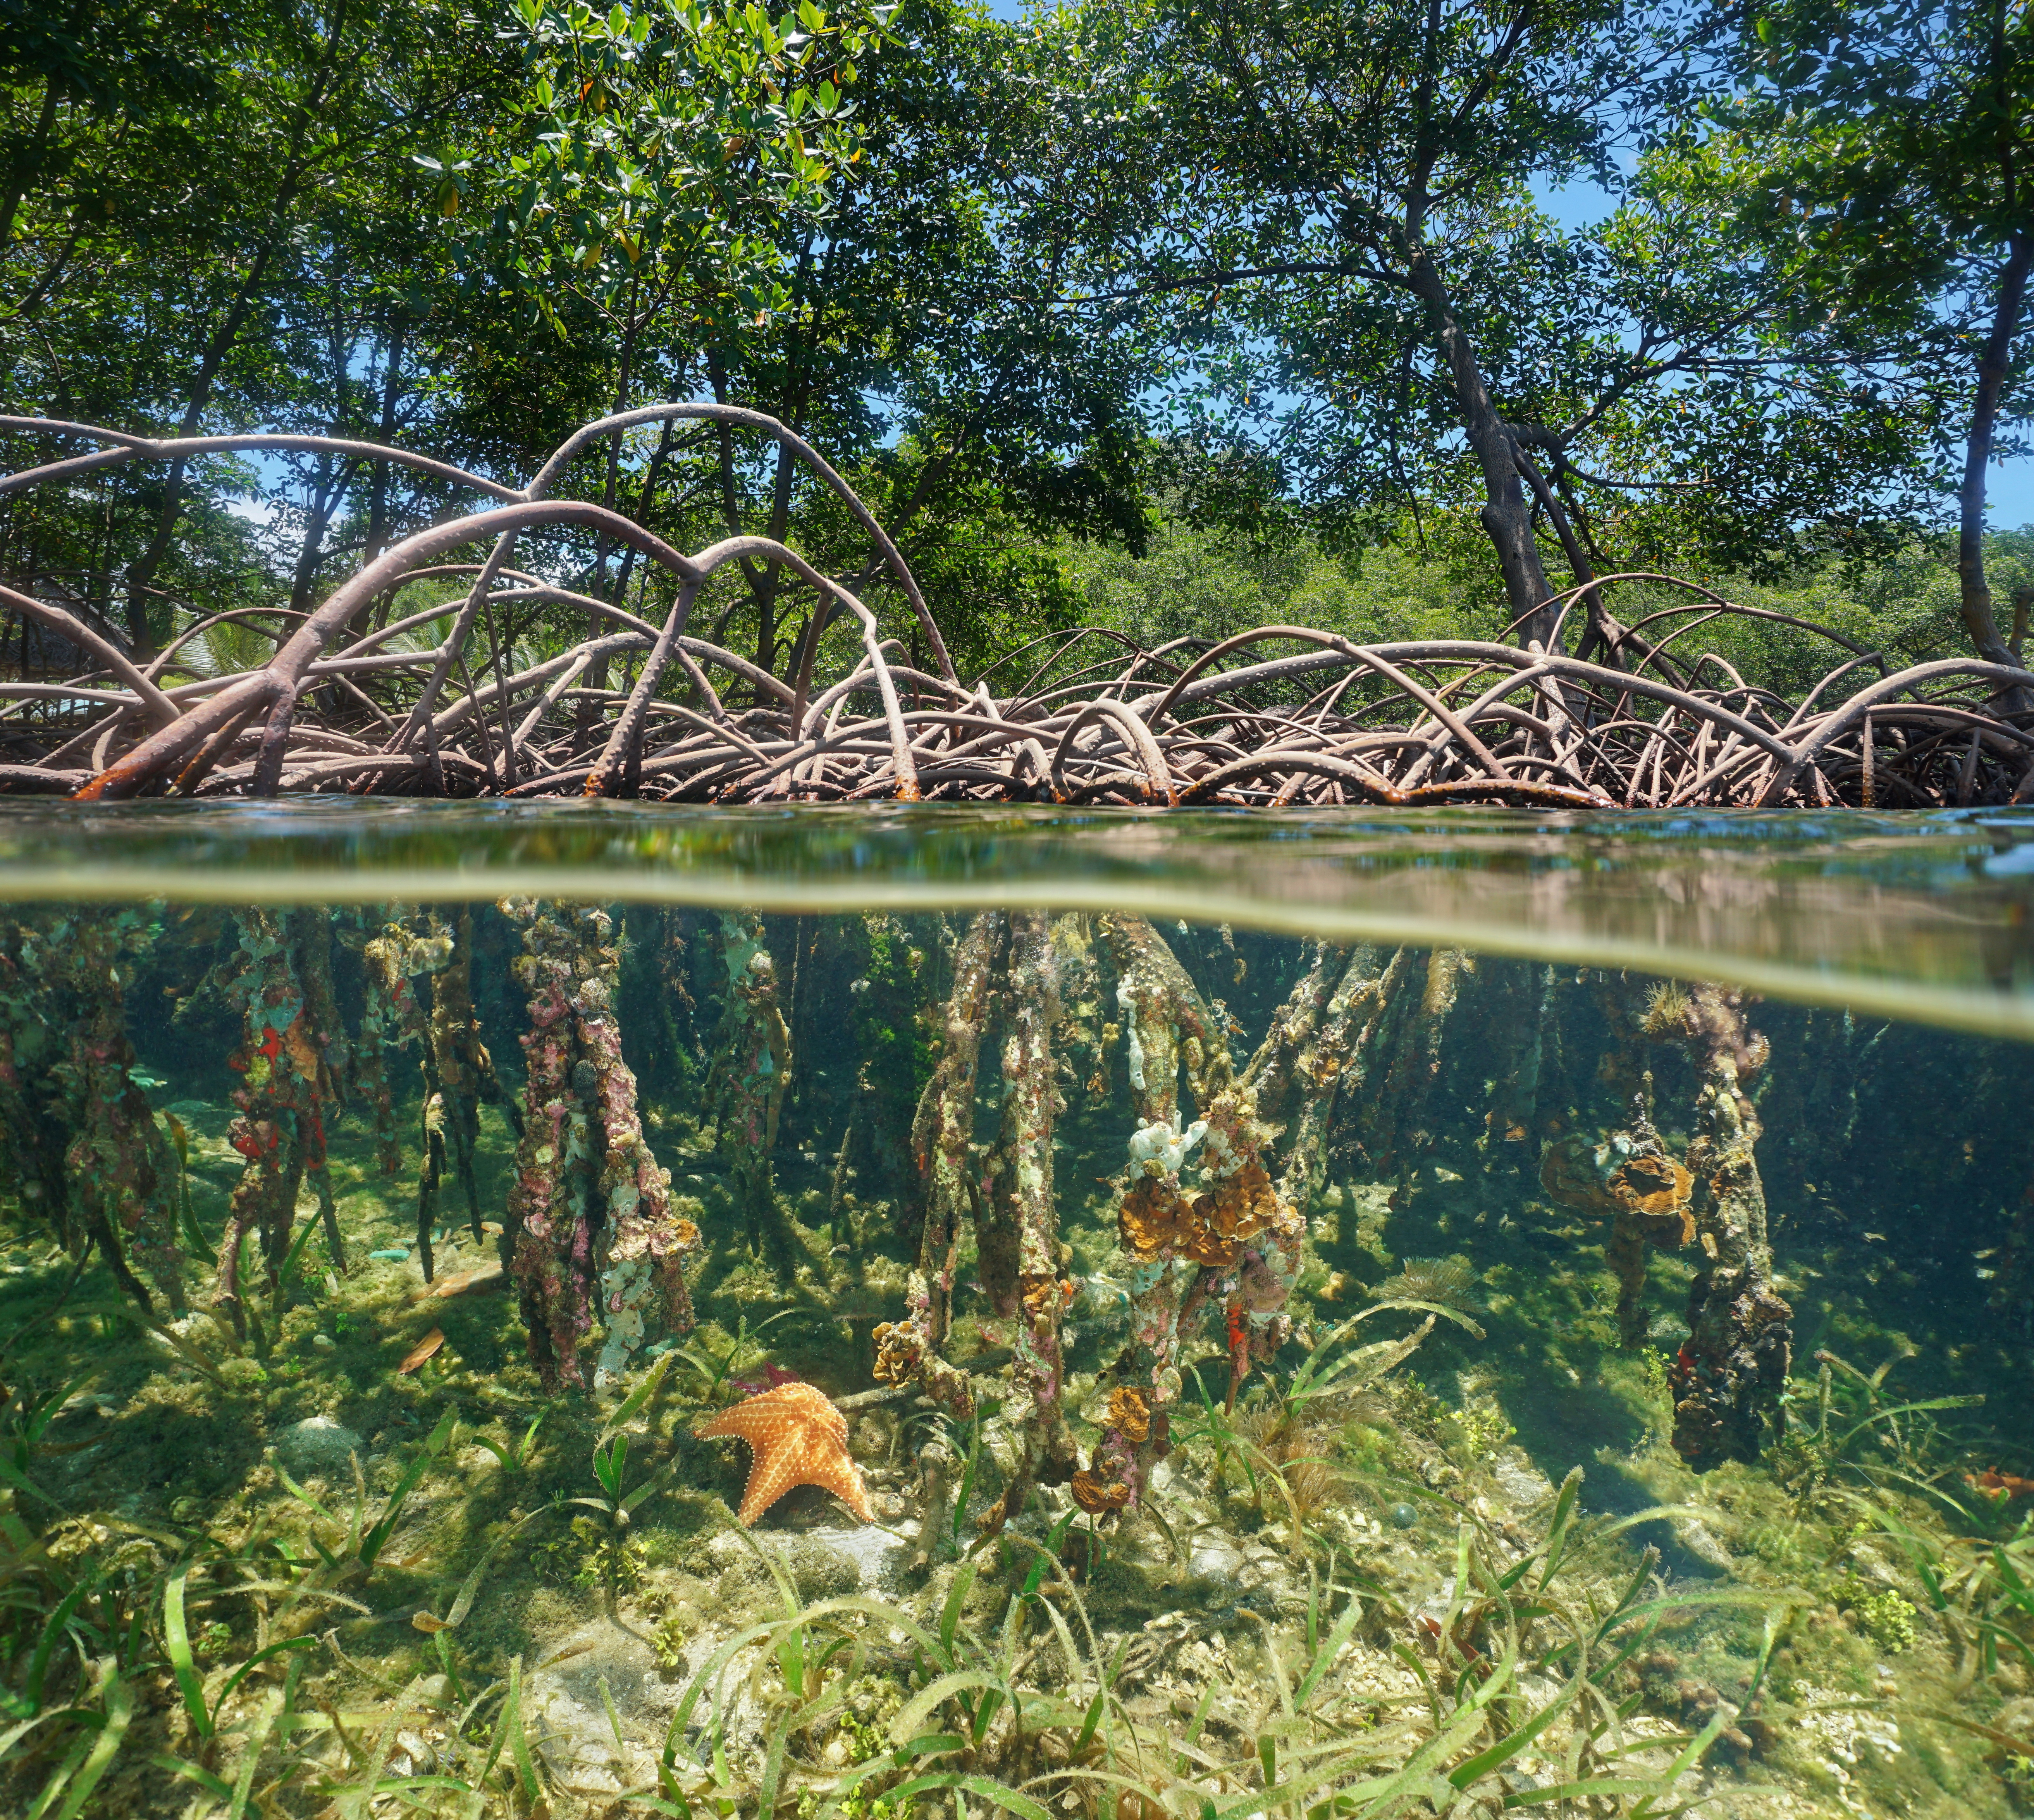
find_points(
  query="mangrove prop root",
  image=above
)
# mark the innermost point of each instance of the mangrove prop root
(461, 1072)
(399, 1010)
(1094, 719)
(1022, 1185)
(1228, 1234)
(121, 1174)
(744, 1089)
(590, 1223)
(310, 935)
(941, 1130)
(392, 1019)
(1730, 1371)
(32, 1138)
(1631, 1178)
(285, 1090)
(1410, 1044)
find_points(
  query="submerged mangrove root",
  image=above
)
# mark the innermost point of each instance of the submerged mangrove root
(91, 1155)
(31, 1141)
(1228, 1235)
(391, 1018)
(287, 1091)
(590, 1215)
(1022, 1187)
(745, 1090)
(1728, 1375)
(309, 931)
(910, 1350)
(1403, 1050)
(1631, 1178)
(419, 988)
(465, 1071)
(1523, 1032)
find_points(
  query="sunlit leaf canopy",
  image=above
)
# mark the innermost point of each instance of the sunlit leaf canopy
(1284, 295)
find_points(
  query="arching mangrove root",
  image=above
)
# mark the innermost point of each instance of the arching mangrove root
(310, 932)
(590, 1220)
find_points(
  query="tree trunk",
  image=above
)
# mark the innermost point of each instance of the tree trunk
(1507, 516)
(1979, 620)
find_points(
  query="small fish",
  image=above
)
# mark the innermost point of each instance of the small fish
(393, 1255)
(425, 1348)
(1878, 1238)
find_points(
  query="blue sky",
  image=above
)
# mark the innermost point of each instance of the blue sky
(2011, 492)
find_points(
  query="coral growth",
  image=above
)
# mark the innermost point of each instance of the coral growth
(1450, 1283)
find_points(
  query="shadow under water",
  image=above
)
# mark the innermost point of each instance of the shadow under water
(1178, 1366)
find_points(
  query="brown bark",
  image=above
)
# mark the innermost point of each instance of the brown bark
(1507, 516)
(1979, 620)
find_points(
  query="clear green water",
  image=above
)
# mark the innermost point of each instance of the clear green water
(1405, 1170)
(1923, 916)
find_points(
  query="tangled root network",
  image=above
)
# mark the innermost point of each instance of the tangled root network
(355, 701)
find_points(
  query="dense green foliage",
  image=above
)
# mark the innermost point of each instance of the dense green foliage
(1146, 314)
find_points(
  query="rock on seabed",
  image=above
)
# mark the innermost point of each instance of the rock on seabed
(318, 1444)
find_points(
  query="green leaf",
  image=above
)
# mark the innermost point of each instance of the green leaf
(183, 1665)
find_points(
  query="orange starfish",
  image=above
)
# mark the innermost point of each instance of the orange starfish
(799, 1438)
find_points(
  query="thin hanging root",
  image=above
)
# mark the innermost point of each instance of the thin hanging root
(310, 935)
(1631, 1177)
(116, 1183)
(1175, 1247)
(281, 1103)
(745, 1090)
(910, 1350)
